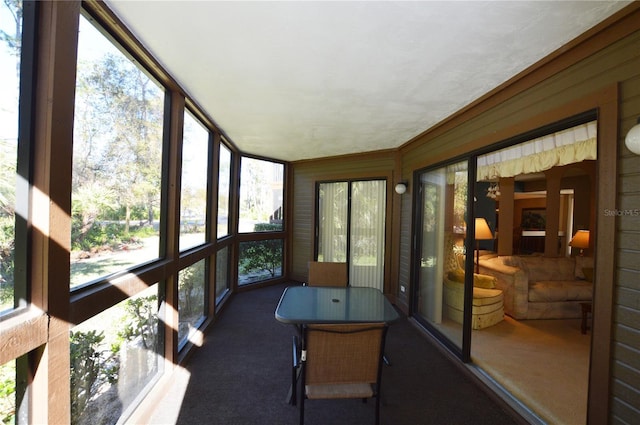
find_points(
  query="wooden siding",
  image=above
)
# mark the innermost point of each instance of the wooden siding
(625, 405)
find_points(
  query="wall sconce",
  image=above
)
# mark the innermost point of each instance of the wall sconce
(580, 240)
(633, 138)
(401, 188)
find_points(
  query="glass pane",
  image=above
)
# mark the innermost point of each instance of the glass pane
(368, 212)
(224, 186)
(10, 50)
(117, 161)
(114, 356)
(193, 194)
(443, 204)
(333, 218)
(222, 272)
(261, 194)
(260, 260)
(191, 300)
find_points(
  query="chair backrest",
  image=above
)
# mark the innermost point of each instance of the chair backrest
(327, 274)
(344, 354)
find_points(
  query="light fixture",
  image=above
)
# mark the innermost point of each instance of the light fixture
(483, 232)
(580, 240)
(401, 188)
(632, 141)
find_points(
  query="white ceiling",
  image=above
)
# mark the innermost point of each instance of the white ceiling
(300, 80)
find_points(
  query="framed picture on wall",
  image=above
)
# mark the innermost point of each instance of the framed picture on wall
(534, 219)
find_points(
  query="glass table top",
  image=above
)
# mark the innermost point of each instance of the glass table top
(316, 304)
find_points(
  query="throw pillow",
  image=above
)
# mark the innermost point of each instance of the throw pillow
(484, 281)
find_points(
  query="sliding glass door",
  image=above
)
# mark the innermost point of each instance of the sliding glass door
(441, 231)
(351, 228)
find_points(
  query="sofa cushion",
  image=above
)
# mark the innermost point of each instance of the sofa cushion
(540, 268)
(555, 290)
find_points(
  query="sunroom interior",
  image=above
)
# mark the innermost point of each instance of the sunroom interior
(142, 192)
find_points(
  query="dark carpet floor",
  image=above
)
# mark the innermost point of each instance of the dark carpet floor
(241, 375)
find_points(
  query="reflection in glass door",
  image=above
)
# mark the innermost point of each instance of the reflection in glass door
(442, 212)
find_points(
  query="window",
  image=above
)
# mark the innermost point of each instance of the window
(441, 232)
(193, 192)
(117, 161)
(224, 188)
(12, 292)
(260, 260)
(261, 194)
(222, 273)
(114, 357)
(191, 300)
(8, 392)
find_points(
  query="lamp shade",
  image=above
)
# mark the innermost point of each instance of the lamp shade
(483, 231)
(580, 239)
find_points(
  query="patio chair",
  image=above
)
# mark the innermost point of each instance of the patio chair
(342, 361)
(327, 274)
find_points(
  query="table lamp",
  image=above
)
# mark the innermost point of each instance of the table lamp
(580, 240)
(483, 232)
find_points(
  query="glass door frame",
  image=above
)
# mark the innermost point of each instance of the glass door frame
(464, 350)
(348, 250)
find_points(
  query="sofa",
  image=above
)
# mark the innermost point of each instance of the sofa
(538, 287)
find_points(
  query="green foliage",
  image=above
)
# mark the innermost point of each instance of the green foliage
(144, 323)
(117, 152)
(7, 393)
(261, 256)
(267, 227)
(189, 281)
(92, 366)
(88, 369)
(7, 256)
(108, 236)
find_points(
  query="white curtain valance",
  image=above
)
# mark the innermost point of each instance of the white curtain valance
(562, 148)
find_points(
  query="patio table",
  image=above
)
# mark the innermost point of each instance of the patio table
(302, 305)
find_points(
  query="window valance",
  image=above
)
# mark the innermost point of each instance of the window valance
(565, 147)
